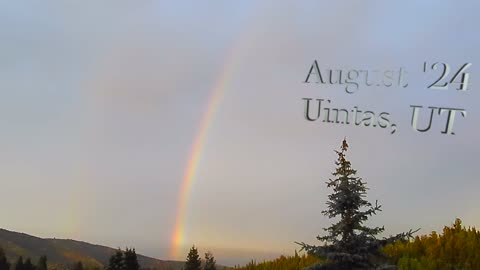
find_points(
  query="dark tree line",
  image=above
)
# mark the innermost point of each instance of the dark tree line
(4, 264)
(119, 261)
(195, 263)
(124, 260)
(21, 264)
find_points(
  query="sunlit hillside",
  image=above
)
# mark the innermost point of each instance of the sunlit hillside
(63, 253)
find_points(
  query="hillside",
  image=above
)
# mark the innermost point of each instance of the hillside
(62, 253)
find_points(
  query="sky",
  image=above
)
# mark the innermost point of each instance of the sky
(104, 107)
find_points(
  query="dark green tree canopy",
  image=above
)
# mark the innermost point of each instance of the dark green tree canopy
(4, 264)
(28, 265)
(19, 264)
(42, 263)
(348, 243)
(193, 260)
(210, 263)
(116, 261)
(130, 260)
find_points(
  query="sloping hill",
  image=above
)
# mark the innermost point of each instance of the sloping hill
(62, 253)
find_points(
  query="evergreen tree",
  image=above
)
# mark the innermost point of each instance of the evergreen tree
(349, 244)
(209, 262)
(193, 260)
(78, 266)
(42, 263)
(19, 264)
(4, 265)
(130, 260)
(28, 265)
(116, 261)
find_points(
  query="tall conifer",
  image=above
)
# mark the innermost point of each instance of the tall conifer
(4, 264)
(193, 260)
(349, 244)
(42, 263)
(210, 263)
(131, 261)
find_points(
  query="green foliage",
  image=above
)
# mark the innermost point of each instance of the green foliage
(456, 248)
(116, 261)
(19, 264)
(130, 260)
(124, 260)
(193, 260)
(209, 262)
(349, 244)
(42, 263)
(4, 264)
(28, 265)
(283, 263)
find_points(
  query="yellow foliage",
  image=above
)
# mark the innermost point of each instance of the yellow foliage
(456, 248)
(283, 263)
(88, 262)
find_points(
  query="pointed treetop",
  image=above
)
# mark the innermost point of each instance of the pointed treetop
(348, 243)
(344, 144)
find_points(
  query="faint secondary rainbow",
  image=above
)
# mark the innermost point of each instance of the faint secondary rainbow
(216, 95)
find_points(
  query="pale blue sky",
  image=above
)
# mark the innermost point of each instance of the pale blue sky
(100, 103)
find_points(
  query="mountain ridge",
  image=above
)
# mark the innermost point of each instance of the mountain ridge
(63, 253)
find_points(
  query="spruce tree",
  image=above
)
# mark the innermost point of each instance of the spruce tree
(19, 265)
(130, 260)
(28, 265)
(42, 263)
(209, 262)
(193, 260)
(116, 261)
(349, 244)
(4, 264)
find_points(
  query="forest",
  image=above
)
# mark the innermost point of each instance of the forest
(456, 247)
(348, 244)
(120, 260)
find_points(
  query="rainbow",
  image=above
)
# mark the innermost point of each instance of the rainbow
(216, 95)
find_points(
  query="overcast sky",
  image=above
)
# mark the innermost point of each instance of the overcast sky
(100, 103)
